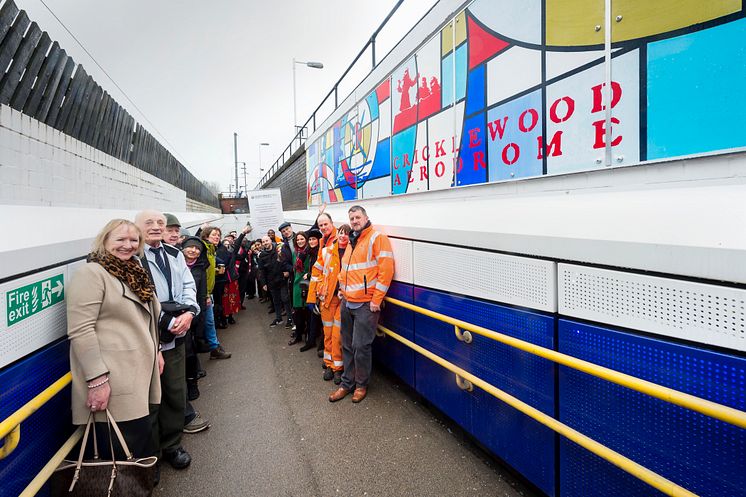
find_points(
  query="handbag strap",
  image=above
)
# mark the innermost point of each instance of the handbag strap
(83, 444)
(122, 442)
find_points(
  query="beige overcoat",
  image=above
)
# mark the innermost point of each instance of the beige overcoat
(111, 329)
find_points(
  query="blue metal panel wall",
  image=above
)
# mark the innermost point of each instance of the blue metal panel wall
(703, 455)
(526, 445)
(47, 429)
(393, 355)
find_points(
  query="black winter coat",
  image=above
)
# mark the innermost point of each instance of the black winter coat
(270, 269)
(199, 273)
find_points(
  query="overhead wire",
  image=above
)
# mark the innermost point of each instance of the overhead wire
(112, 80)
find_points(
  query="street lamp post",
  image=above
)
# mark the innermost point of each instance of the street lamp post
(264, 144)
(235, 156)
(313, 65)
(245, 185)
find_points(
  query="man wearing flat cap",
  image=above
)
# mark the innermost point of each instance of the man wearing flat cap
(288, 262)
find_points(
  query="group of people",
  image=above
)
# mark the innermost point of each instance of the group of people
(151, 298)
(331, 280)
(148, 301)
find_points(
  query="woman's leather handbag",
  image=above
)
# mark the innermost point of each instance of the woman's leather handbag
(101, 478)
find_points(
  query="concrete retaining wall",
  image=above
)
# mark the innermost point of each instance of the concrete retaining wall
(291, 180)
(40, 165)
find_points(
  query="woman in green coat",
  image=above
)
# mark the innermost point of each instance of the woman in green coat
(301, 271)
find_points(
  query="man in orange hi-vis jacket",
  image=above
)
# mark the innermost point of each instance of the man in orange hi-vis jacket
(322, 291)
(365, 276)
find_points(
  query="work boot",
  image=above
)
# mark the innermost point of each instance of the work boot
(328, 374)
(219, 353)
(337, 377)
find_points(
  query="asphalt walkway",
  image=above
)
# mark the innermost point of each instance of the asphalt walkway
(274, 433)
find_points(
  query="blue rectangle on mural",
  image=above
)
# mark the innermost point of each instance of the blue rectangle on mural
(475, 92)
(696, 101)
(403, 154)
(448, 76)
(512, 131)
(472, 164)
(382, 162)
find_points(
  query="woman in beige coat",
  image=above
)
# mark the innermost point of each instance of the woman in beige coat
(112, 316)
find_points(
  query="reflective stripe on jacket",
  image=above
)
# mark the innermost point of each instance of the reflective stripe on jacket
(368, 268)
(324, 271)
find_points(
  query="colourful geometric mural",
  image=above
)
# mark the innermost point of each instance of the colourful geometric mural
(500, 93)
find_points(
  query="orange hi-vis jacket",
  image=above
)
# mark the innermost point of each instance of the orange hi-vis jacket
(324, 272)
(368, 268)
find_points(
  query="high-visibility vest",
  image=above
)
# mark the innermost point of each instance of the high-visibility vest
(325, 271)
(368, 268)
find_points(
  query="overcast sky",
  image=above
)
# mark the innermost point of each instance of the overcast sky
(201, 71)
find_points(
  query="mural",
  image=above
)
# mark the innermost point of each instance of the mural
(501, 93)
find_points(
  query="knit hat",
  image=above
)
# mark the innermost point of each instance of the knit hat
(314, 233)
(172, 220)
(193, 241)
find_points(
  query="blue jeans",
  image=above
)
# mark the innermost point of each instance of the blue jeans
(211, 334)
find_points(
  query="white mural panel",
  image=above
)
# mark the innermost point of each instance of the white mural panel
(576, 117)
(513, 71)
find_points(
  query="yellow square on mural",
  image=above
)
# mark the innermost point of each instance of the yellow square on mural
(446, 34)
(365, 145)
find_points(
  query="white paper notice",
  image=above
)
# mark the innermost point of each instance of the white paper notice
(265, 207)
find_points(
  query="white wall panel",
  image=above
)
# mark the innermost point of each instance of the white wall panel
(403, 269)
(702, 313)
(501, 278)
(31, 333)
(39, 165)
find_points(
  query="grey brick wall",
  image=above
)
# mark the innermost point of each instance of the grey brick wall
(291, 180)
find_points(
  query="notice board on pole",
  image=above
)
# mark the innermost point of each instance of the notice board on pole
(265, 207)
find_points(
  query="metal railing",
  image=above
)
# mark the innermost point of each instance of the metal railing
(466, 381)
(10, 433)
(302, 132)
(10, 427)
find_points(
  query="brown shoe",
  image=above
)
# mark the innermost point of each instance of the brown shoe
(359, 394)
(338, 394)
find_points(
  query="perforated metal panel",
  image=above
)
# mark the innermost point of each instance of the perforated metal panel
(29, 334)
(402, 260)
(701, 454)
(701, 313)
(47, 429)
(501, 278)
(521, 442)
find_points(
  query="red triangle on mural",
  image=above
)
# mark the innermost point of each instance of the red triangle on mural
(482, 45)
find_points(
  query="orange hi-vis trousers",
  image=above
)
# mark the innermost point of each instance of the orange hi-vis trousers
(332, 321)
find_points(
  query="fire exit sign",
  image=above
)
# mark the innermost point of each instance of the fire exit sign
(30, 299)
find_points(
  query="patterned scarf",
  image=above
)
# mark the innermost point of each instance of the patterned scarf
(130, 272)
(300, 258)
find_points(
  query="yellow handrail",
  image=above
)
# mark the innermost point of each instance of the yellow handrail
(11, 424)
(41, 478)
(698, 404)
(650, 477)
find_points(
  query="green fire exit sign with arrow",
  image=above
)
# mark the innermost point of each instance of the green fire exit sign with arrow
(28, 300)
